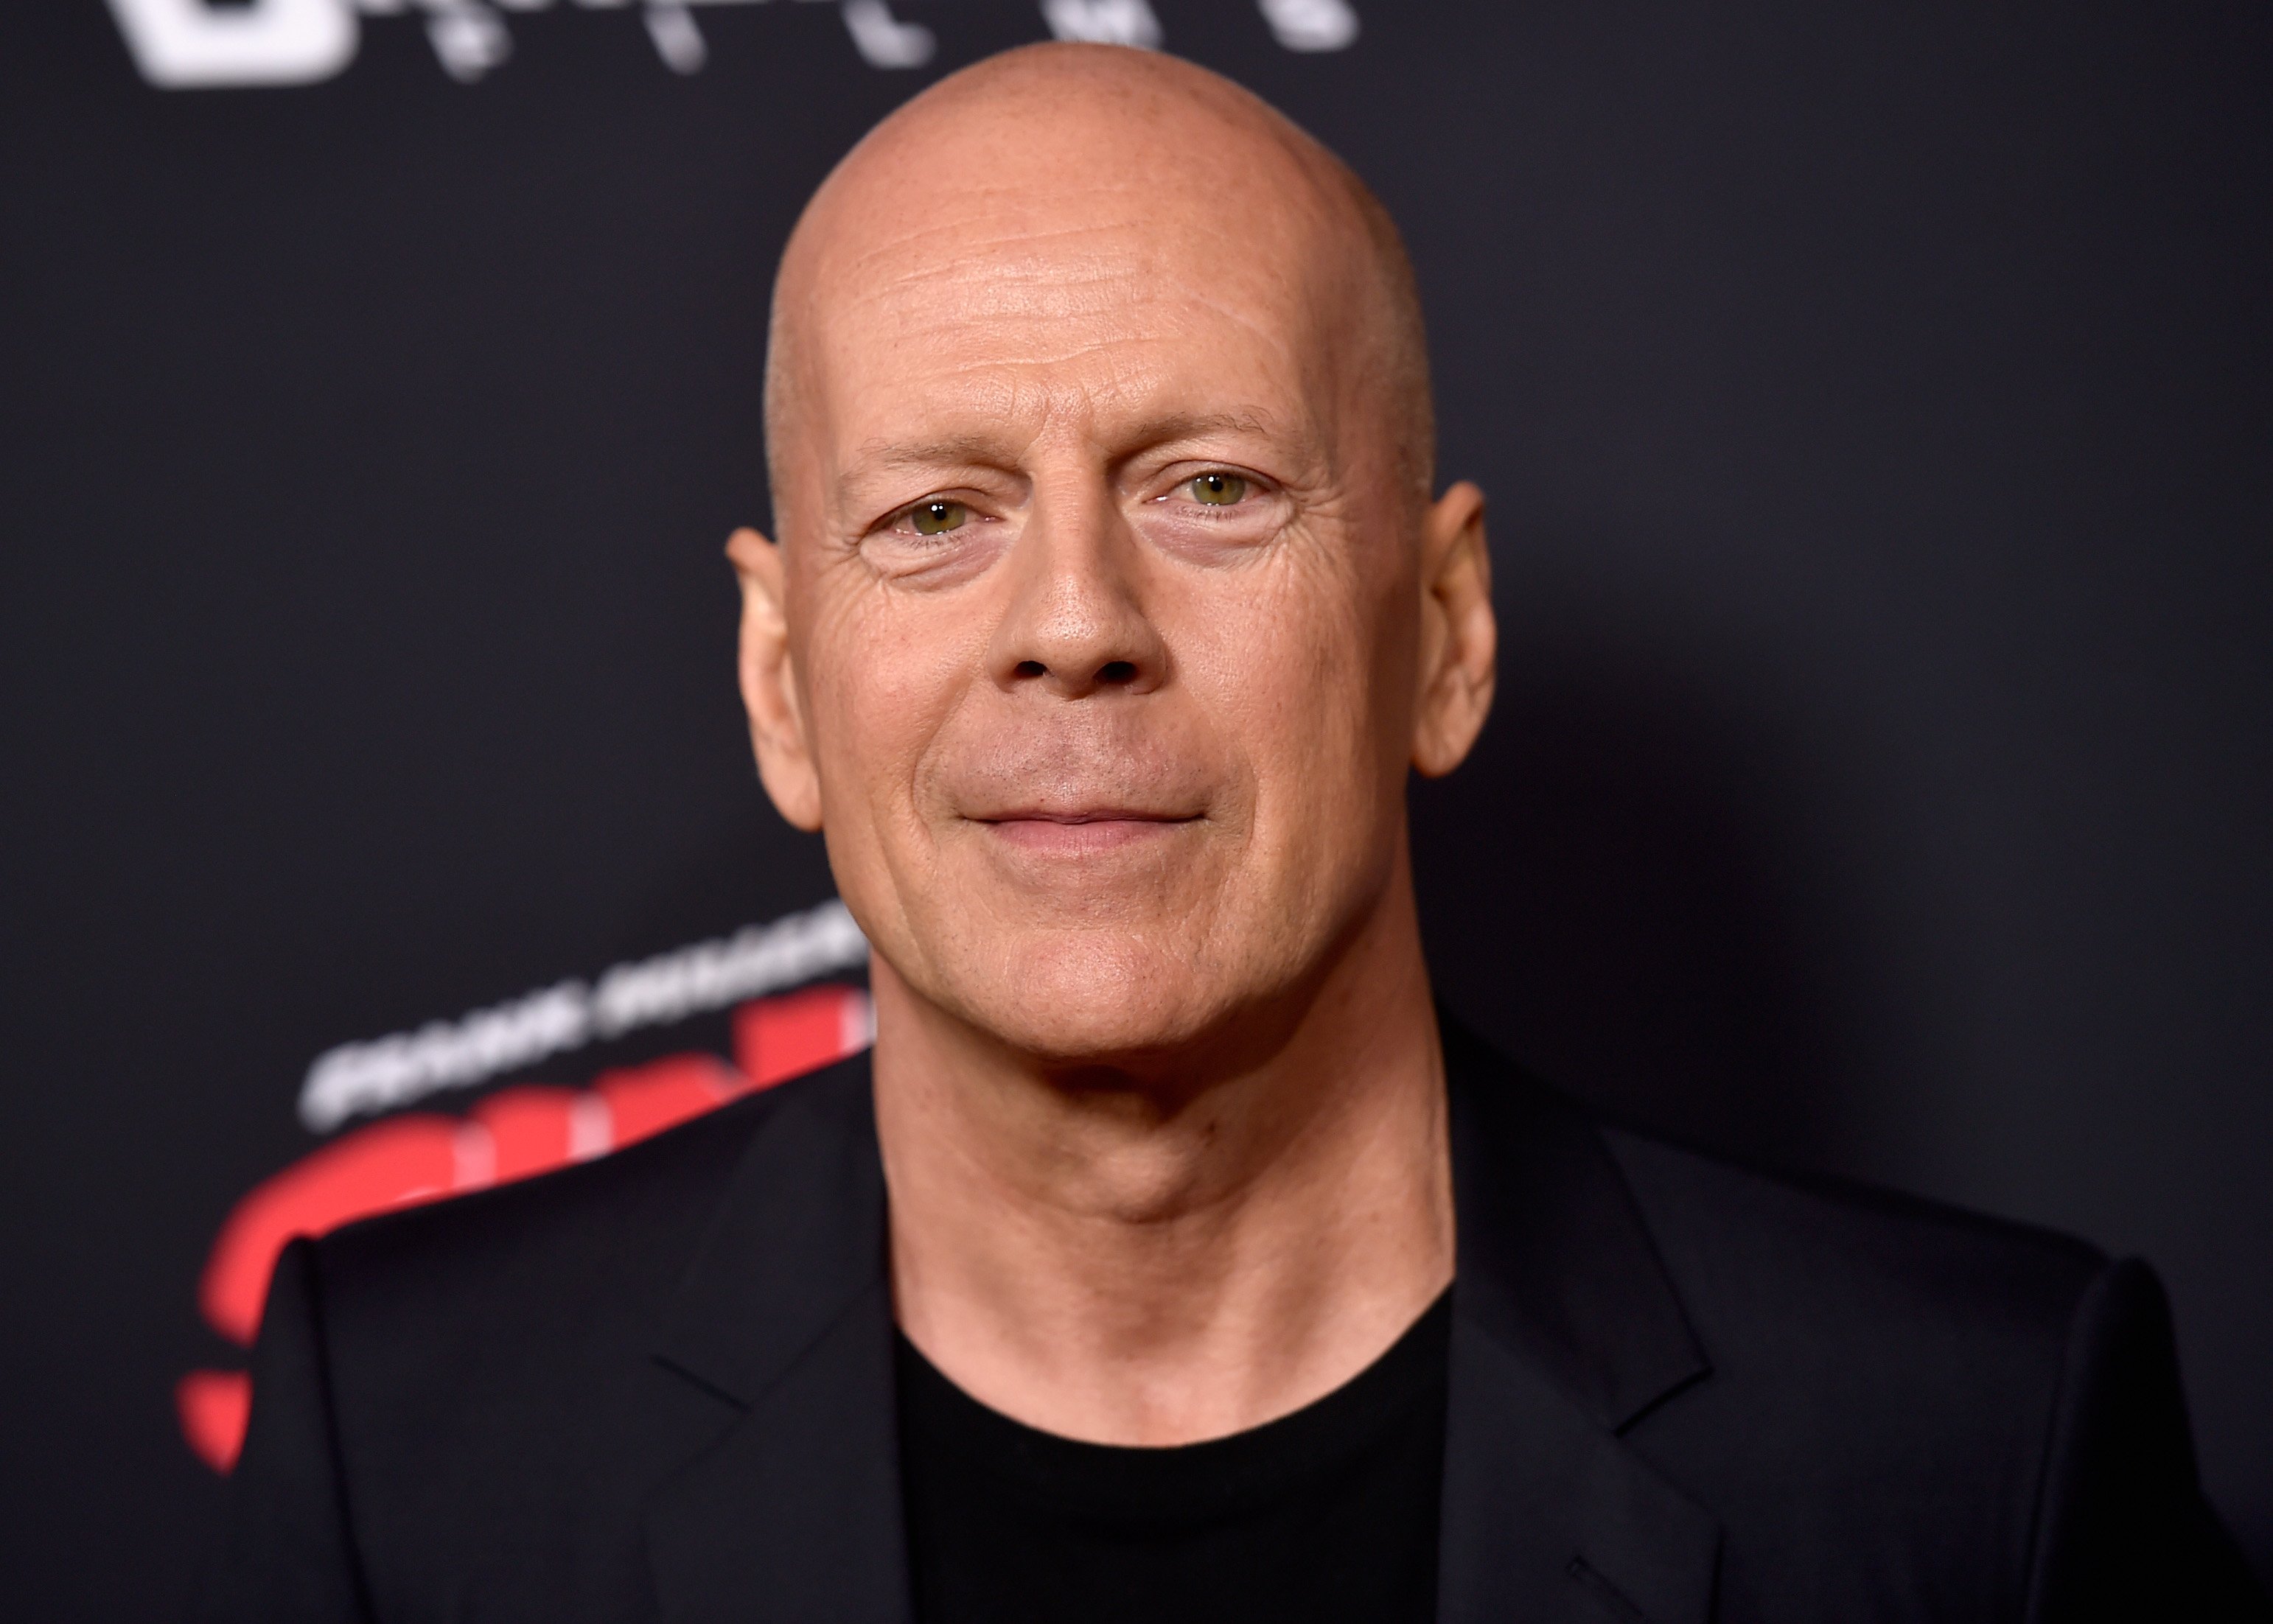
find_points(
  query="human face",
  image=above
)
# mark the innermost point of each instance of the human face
(1097, 646)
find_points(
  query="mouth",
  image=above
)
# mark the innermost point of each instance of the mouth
(1090, 829)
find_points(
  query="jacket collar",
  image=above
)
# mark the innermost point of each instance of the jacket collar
(794, 1244)
(784, 1317)
(1566, 1331)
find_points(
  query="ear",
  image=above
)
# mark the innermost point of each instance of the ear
(770, 687)
(1459, 635)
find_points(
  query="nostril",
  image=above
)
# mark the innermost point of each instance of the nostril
(1032, 667)
(1117, 672)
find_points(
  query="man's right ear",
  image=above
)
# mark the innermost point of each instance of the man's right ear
(770, 686)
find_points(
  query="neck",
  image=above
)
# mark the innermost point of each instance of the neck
(1159, 1263)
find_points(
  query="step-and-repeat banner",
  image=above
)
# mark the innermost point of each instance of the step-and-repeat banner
(1874, 402)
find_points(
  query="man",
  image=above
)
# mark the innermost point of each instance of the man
(1170, 1260)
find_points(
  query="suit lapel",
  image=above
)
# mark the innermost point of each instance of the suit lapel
(792, 1513)
(1565, 1332)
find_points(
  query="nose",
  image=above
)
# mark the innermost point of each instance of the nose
(1076, 622)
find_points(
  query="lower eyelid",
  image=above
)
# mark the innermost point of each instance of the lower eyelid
(1252, 499)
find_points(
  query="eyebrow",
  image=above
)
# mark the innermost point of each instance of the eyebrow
(986, 449)
(954, 451)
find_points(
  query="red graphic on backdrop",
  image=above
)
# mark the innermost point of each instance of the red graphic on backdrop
(425, 1156)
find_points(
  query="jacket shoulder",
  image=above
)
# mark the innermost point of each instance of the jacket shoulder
(1886, 1379)
(477, 1387)
(528, 1276)
(1825, 1259)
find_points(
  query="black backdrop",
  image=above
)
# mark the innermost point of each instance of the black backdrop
(1874, 400)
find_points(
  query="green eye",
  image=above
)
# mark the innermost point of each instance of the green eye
(937, 518)
(1218, 489)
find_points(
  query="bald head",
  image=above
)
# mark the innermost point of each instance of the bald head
(1075, 173)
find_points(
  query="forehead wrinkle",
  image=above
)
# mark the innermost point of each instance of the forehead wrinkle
(1020, 277)
(1103, 321)
(959, 231)
(1003, 295)
(1024, 235)
(1005, 301)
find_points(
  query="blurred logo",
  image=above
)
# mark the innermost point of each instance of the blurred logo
(410, 1157)
(190, 44)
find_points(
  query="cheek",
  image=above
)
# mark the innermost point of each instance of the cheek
(884, 674)
(1295, 665)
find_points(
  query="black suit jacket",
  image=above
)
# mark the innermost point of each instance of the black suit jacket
(659, 1386)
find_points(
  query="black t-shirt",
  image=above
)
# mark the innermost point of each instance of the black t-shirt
(1324, 1514)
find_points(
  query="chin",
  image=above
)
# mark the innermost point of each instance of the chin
(1089, 999)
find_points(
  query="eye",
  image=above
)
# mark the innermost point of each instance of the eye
(937, 517)
(1218, 490)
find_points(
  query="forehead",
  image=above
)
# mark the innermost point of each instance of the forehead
(1093, 286)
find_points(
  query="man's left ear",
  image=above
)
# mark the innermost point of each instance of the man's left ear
(1459, 635)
